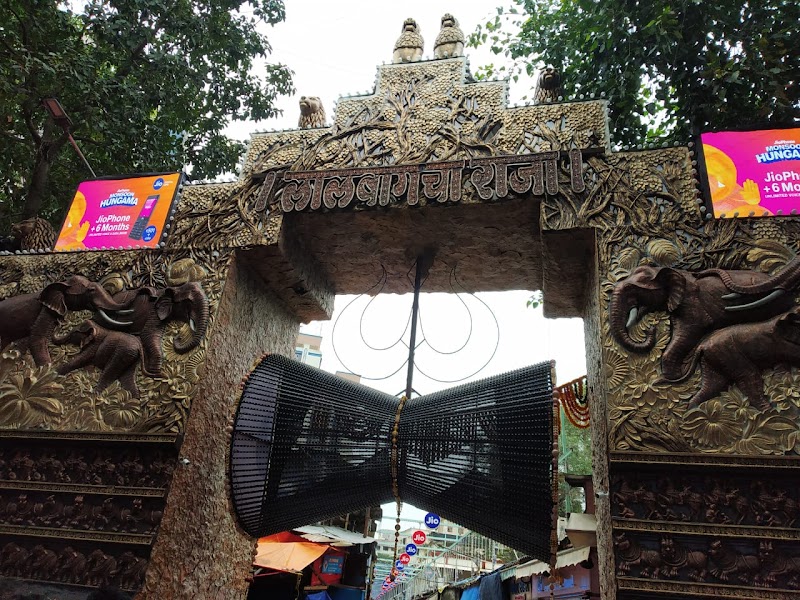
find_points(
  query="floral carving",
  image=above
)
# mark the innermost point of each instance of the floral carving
(29, 398)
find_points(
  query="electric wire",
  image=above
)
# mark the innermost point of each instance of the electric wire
(494, 351)
(380, 285)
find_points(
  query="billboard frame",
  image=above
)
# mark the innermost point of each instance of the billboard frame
(182, 178)
(702, 170)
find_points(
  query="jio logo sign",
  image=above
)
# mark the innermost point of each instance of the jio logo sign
(432, 520)
(411, 549)
(419, 537)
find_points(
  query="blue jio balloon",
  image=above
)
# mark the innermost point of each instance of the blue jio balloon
(399, 566)
(432, 520)
(411, 549)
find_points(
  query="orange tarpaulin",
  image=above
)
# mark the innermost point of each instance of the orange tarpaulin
(273, 553)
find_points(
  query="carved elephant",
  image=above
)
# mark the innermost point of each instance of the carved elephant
(116, 354)
(101, 568)
(148, 312)
(738, 354)
(34, 316)
(697, 303)
(14, 560)
(72, 564)
(132, 569)
(43, 562)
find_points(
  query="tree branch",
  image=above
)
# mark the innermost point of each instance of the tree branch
(14, 138)
(27, 117)
(25, 36)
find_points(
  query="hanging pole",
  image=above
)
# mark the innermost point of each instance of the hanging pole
(61, 118)
(424, 262)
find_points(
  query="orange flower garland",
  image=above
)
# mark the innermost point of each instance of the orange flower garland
(574, 399)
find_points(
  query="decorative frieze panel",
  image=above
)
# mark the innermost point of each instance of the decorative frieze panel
(720, 499)
(704, 565)
(81, 509)
(51, 561)
(700, 351)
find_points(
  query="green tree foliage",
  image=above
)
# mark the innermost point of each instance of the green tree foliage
(691, 64)
(149, 85)
(576, 449)
(575, 458)
(536, 300)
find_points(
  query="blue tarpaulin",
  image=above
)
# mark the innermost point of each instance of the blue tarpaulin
(318, 596)
(472, 593)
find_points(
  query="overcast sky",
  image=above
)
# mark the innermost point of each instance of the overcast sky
(334, 49)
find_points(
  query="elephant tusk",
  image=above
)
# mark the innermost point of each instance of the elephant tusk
(757, 303)
(732, 296)
(192, 325)
(126, 311)
(632, 316)
(112, 321)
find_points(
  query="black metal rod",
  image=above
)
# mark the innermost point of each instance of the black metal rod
(412, 344)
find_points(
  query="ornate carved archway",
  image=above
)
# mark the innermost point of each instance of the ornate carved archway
(691, 499)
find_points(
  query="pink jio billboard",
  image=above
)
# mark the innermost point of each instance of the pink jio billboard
(127, 212)
(753, 173)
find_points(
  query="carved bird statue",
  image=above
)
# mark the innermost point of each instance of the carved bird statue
(450, 41)
(312, 113)
(548, 87)
(408, 47)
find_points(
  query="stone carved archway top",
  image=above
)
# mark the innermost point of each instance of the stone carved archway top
(429, 111)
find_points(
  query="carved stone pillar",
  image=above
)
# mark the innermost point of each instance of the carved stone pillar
(200, 552)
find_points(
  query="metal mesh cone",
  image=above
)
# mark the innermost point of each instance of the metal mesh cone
(308, 446)
(480, 455)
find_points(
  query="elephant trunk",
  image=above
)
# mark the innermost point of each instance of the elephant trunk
(624, 313)
(787, 279)
(198, 321)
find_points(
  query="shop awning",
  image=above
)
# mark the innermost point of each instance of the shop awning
(335, 536)
(573, 556)
(287, 556)
(565, 558)
(535, 567)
